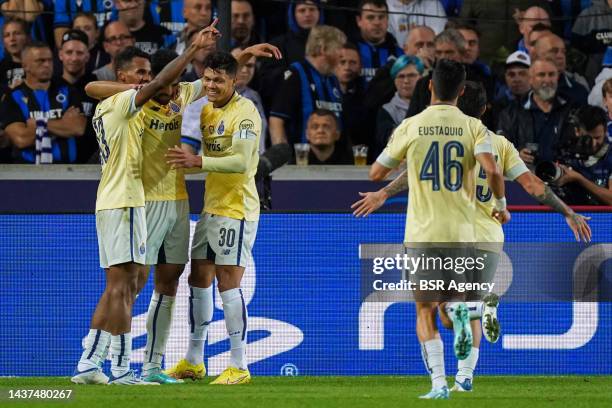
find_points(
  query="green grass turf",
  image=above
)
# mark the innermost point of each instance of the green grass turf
(353, 392)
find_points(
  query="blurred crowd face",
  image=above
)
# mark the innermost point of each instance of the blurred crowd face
(219, 85)
(131, 12)
(117, 38)
(598, 137)
(531, 17)
(331, 58)
(420, 42)
(137, 72)
(307, 15)
(533, 38)
(607, 100)
(14, 39)
(245, 72)
(74, 56)
(447, 50)
(472, 51)
(243, 20)
(89, 27)
(38, 64)
(517, 79)
(197, 13)
(406, 80)
(373, 23)
(553, 47)
(321, 131)
(543, 78)
(349, 66)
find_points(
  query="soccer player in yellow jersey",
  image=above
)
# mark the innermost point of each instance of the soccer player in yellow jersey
(487, 229)
(441, 147)
(120, 213)
(224, 236)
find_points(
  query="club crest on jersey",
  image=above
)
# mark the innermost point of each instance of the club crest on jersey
(142, 248)
(174, 107)
(60, 98)
(211, 129)
(221, 129)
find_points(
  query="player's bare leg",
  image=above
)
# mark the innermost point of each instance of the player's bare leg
(235, 314)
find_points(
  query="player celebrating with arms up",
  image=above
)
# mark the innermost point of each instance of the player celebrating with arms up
(441, 146)
(224, 235)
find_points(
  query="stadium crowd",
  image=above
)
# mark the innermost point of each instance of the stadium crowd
(351, 72)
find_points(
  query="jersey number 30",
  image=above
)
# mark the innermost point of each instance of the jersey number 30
(431, 166)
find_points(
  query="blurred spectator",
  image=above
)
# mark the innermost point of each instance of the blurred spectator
(243, 78)
(492, 18)
(197, 14)
(406, 14)
(542, 118)
(537, 31)
(308, 85)
(405, 72)
(376, 45)
(168, 14)
(606, 91)
(472, 48)
(243, 24)
(588, 180)
(595, 97)
(149, 37)
(451, 45)
(571, 85)
(357, 120)
(14, 37)
(592, 34)
(86, 22)
(516, 85)
(195, 70)
(37, 13)
(73, 54)
(67, 11)
(420, 43)
(116, 38)
(526, 20)
(323, 133)
(41, 118)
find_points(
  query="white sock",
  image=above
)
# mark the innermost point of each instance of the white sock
(159, 320)
(474, 308)
(465, 368)
(121, 353)
(235, 313)
(200, 316)
(96, 349)
(432, 352)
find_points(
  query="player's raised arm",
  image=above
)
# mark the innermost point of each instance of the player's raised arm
(264, 50)
(173, 70)
(104, 89)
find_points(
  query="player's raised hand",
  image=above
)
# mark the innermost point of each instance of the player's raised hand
(264, 50)
(579, 226)
(370, 202)
(179, 158)
(502, 216)
(207, 36)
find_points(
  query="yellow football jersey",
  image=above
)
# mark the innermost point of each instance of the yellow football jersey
(162, 130)
(118, 126)
(439, 146)
(487, 228)
(231, 195)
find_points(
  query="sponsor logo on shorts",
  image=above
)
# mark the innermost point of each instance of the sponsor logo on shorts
(226, 251)
(142, 249)
(246, 124)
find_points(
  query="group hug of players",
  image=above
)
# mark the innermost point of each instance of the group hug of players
(142, 215)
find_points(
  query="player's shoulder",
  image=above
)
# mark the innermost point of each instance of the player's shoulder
(114, 100)
(243, 106)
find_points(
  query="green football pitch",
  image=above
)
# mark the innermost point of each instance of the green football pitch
(349, 392)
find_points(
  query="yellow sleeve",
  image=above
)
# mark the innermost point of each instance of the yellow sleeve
(396, 148)
(124, 103)
(513, 165)
(189, 91)
(482, 139)
(244, 146)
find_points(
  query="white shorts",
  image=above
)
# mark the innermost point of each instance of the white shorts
(122, 236)
(167, 232)
(223, 240)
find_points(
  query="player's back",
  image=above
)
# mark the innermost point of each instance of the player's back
(118, 126)
(162, 130)
(440, 146)
(232, 195)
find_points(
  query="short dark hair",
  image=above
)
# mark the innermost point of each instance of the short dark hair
(589, 117)
(473, 100)
(18, 21)
(160, 59)
(125, 57)
(325, 112)
(35, 45)
(350, 46)
(540, 27)
(90, 16)
(375, 3)
(219, 60)
(463, 26)
(447, 79)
